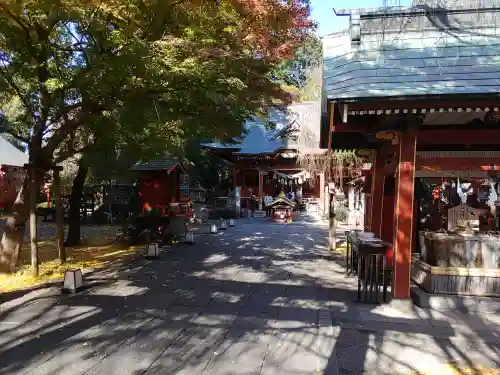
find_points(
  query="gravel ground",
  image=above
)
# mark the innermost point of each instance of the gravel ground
(48, 231)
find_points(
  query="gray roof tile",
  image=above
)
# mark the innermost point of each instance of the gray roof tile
(161, 164)
(416, 53)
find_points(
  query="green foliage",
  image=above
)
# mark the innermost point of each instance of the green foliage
(130, 79)
(296, 71)
(214, 174)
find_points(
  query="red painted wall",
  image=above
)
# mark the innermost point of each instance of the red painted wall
(154, 190)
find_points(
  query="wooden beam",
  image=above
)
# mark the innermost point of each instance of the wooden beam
(458, 137)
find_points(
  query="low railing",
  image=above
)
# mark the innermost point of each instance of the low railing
(366, 258)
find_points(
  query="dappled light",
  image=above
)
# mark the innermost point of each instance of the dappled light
(279, 305)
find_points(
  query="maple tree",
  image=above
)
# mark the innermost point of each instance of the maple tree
(72, 71)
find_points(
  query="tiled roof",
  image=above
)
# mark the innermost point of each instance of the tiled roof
(10, 155)
(303, 119)
(166, 163)
(422, 50)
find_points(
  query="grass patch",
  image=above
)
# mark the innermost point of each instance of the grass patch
(453, 370)
(341, 249)
(89, 256)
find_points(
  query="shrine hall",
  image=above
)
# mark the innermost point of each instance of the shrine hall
(416, 91)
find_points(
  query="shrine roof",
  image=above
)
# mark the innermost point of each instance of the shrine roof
(258, 138)
(282, 201)
(11, 155)
(431, 48)
(302, 118)
(166, 163)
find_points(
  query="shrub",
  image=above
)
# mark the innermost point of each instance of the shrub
(341, 213)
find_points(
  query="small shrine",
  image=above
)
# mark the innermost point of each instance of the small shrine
(281, 209)
(164, 188)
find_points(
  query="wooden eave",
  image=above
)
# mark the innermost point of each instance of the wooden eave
(417, 105)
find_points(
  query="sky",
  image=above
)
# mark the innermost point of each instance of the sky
(328, 22)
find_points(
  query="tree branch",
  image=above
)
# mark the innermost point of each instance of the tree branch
(72, 151)
(17, 89)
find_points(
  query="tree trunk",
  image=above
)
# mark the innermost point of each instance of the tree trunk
(75, 202)
(332, 238)
(33, 223)
(12, 238)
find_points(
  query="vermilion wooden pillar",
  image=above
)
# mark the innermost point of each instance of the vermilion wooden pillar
(377, 194)
(403, 210)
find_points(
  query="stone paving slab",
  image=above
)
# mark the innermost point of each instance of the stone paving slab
(260, 298)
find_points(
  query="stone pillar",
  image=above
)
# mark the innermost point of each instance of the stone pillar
(322, 203)
(351, 200)
(261, 190)
(403, 209)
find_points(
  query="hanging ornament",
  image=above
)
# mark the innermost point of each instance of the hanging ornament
(290, 182)
(275, 176)
(300, 180)
(308, 175)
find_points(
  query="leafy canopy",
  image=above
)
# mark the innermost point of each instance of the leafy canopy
(80, 73)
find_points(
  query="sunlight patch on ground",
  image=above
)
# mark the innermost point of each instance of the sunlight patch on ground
(96, 256)
(452, 370)
(340, 249)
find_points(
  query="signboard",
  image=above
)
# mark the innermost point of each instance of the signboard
(460, 215)
(237, 200)
(184, 184)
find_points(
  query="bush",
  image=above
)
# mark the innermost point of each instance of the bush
(341, 213)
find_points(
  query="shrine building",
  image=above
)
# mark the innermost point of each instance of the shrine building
(264, 160)
(416, 90)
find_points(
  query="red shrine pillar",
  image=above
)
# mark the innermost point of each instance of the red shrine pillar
(403, 220)
(377, 194)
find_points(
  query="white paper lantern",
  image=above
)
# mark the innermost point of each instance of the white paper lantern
(73, 281)
(231, 222)
(153, 250)
(213, 228)
(189, 237)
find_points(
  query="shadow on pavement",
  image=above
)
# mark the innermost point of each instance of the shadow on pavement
(256, 299)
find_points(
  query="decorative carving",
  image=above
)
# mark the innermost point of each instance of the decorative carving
(393, 137)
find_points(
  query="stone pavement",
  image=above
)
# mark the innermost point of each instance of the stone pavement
(260, 298)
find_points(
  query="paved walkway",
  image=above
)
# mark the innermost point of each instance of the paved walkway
(259, 298)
